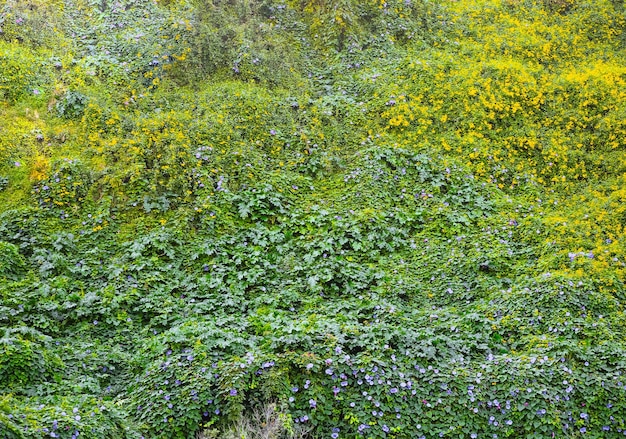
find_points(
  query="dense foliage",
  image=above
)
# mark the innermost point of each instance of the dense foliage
(372, 219)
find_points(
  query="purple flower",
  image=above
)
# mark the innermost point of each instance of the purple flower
(393, 390)
(233, 392)
(273, 132)
(312, 403)
(385, 428)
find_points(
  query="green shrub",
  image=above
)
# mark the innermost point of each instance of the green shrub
(11, 262)
(25, 359)
(67, 186)
(20, 72)
(71, 105)
(33, 23)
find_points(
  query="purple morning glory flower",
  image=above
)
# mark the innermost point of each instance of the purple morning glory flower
(385, 428)
(233, 392)
(312, 403)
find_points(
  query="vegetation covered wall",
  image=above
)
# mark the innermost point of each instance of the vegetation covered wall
(326, 218)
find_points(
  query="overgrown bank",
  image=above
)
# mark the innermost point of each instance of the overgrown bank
(387, 219)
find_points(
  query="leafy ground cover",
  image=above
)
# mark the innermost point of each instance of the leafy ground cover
(340, 219)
